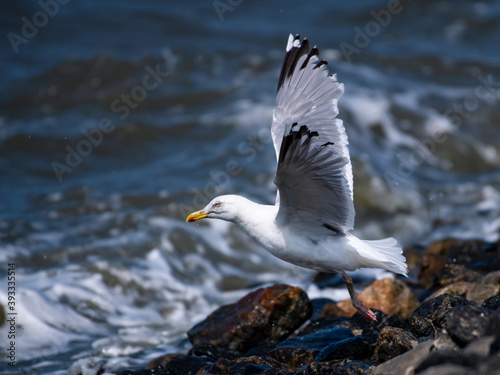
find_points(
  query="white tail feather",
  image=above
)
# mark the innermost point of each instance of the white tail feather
(386, 254)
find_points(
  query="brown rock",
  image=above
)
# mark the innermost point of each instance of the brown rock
(430, 266)
(475, 254)
(454, 273)
(492, 278)
(413, 255)
(270, 313)
(476, 293)
(331, 310)
(444, 247)
(388, 295)
(164, 359)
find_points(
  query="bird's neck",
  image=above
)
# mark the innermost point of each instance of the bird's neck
(258, 221)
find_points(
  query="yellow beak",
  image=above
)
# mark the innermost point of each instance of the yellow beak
(198, 215)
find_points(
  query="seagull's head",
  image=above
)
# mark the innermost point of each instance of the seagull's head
(224, 207)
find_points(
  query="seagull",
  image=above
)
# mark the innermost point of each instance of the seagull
(310, 223)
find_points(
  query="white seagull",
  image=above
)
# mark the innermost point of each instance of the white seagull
(310, 222)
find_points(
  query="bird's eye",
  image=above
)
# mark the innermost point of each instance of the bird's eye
(217, 204)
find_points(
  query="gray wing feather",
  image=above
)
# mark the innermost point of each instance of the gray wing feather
(314, 175)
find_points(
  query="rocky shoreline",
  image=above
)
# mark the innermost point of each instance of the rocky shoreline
(444, 319)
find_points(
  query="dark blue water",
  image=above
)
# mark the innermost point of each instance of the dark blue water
(118, 118)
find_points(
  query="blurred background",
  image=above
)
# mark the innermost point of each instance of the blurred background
(118, 118)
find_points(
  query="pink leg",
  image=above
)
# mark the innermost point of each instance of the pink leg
(356, 302)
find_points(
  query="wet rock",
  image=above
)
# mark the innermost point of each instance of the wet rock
(186, 365)
(173, 365)
(393, 320)
(294, 358)
(413, 255)
(344, 367)
(454, 357)
(495, 345)
(475, 254)
(323, 345)
(317, 324)
(466, 323)
(492, 303)
(246, 366)
(492, 278)
(318, 340)
(476, 293)
(430, 266)
(358, 347)
(152, 371)
(435, 309)
(319, 303)
(454, 273)
(164, 359)
(388, 295)
(214, 352)
(393, 342)
(420, 327)
(331, 310)
(266, 314)
(262, 349)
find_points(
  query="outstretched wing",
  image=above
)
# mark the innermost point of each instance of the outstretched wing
(314, 175)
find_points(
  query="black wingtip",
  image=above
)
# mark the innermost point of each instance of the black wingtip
(320, 63)
(292, 57)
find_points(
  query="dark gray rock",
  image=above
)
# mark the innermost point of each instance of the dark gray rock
(177, 366)
(492, 303)
(435, 310)
(489, 366)
(466, 323)
(318, 340)
(495, 345)
(246, 366)
(420, 327)
(357, 347)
